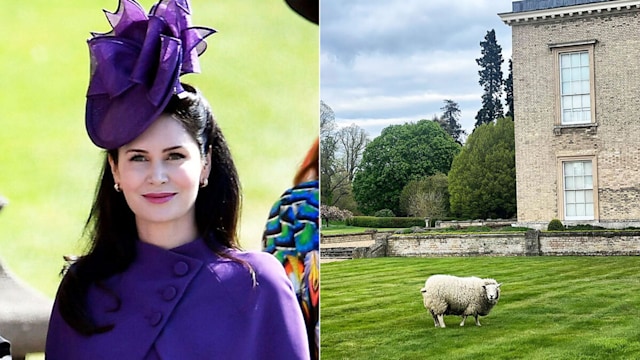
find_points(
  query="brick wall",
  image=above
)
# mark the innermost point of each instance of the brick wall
(614, 143)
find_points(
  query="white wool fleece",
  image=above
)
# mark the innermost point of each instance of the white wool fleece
(452, 295)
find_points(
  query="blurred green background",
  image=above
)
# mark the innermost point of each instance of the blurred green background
(260, 74)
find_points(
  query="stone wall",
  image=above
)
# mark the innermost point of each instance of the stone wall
(531, 243)
(470, 223)
(596, 243)
(512, 244)
(334, 239)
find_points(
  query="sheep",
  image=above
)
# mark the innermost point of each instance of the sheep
(452, 295)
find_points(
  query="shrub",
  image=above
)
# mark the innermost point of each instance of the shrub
(384, 222)
(555, 225)
(514, 229)
(585, 227)
(384, 213)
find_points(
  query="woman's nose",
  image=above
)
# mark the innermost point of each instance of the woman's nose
(158, 173)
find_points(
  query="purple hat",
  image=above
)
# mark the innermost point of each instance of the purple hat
(136, 68)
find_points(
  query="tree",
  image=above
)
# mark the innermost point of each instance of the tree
(400, 154)
(482, 180)
(508, 89)
(340, 154)
(327, 120)
(426, 197)
(352, 142)
(490, 79)
(345, 199)
(333, 213)
(328, 147)
(450, 120)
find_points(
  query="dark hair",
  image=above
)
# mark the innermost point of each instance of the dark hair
(111, 227)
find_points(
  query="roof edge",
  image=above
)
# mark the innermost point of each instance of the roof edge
(514, 18)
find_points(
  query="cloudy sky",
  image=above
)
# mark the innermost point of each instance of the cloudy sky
(391, 62)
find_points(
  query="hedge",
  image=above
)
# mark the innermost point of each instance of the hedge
(384, 222)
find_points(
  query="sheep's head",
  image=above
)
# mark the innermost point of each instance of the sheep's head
(492, 291)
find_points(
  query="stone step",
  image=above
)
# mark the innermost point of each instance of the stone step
(336, 252)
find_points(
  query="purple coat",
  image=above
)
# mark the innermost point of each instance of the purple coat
(188, 303)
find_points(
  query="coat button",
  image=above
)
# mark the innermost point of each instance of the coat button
(155, 318)
(169, 293)
(181, 268)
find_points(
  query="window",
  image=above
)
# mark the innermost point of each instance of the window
(578, 190)
(574, 79)
(575, 98)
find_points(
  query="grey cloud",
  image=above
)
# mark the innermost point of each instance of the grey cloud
(351, 28)
(398, 62)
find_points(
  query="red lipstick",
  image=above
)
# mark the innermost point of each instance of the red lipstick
(159, 198)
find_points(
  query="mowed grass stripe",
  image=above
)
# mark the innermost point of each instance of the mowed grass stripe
(551, 308)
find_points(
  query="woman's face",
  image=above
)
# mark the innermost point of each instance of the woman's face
(160, 173)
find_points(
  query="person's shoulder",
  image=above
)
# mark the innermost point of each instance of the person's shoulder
(309, 188)
(311, 185)
(260, 261)
(265, 266)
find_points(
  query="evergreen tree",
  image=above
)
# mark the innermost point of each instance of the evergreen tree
(490, 79)
(450, 120)
(508, 89)
(482, 179)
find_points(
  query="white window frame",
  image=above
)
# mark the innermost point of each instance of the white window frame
(564, 195)
(575, 90)
(559, 51)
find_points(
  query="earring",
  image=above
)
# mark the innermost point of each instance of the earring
(116, 187)
(204, 183)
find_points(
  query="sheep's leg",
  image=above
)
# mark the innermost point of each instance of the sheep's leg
(477, 320)
(441, 320)
(464, 317)
(435, 318)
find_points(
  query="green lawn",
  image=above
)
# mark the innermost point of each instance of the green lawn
(260, 74)
(550, 308)
(341, 229)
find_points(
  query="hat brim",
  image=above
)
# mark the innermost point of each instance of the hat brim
(120, 108)
(308, 9)
(112, 123)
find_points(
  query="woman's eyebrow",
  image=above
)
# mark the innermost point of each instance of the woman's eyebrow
(177, 147)
(136, 151)
(171, 148)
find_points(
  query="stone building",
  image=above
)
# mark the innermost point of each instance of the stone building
(576, 84)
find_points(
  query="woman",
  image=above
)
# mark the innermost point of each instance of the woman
(163, 277)
(292, 236)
